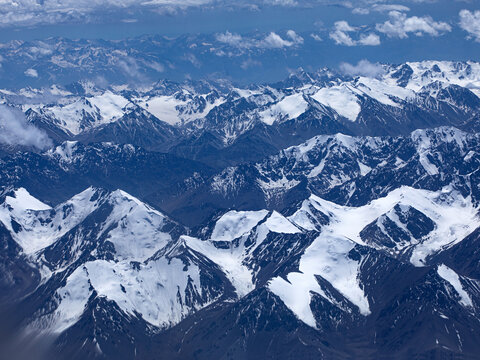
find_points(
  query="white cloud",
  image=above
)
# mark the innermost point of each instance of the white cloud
(155, 66)
(344, 26)
(272, 40)
(129, 21)
(390, 7)
(316, 37)
(363, 68)
(31, 73)
(360, 11)
(470, 22)
(234, 40)
(380, 8)
(400, 25)
(297, 39)
(30, 12)
(282, 2)
(14, 130)
(369, 40)
(341, 36)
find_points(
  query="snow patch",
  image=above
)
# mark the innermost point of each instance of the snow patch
(169, 108)
(71, 301)
(41, 228)
(137, 228)
(364, 169)
(230, 261)
(291, 107)
(455, 217)
(341, 99)
(453, 279)
(279, 224)
(327, 257)
(155, 290)
(234, 224)
(22, 201)
(82, 113)
(66, 150)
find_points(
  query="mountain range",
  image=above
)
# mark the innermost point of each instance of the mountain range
(326, 216)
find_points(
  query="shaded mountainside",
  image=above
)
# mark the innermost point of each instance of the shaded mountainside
(340, 168)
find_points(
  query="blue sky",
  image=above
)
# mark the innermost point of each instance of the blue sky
(293, 33)
(128, 18)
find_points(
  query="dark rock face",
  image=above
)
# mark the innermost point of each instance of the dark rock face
(18, 276)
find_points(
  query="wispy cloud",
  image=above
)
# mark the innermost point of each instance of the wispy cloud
(379, 8)
(282, 2)
(270, 41)
(274, 40)
(192, 59)
(249, 63)
(15, 130)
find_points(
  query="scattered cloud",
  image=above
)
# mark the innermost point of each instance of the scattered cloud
(316, 37)
(369, 40)
(155, 66)
(31, 73)
(31, 12)
(363, 68)
(191, 58)
(274, 40)
(470, 22)
(341, 36)
(15, 130)
(234, 40)
(271, 41)
(294, 37)
(400, 25)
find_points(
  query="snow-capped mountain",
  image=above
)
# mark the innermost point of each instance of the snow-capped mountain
(197, 119)
(112, 246)
(353, 170)
(108, 251)
(325, 216)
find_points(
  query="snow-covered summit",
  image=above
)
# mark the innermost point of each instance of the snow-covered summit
(403, 98)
